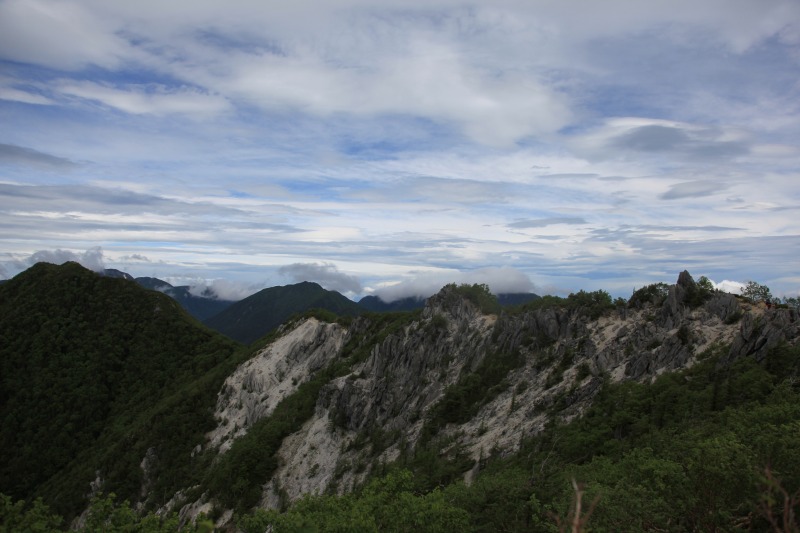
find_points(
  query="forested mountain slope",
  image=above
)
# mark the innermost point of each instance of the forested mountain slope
(443, 390)
(465, 384)
(668, 406)
(201, 307)
(85, 361)
(253, 317)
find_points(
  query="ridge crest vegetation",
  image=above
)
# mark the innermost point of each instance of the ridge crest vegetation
(676, 410)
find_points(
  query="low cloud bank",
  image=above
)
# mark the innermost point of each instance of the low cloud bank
(326, 274)
(501, 280)
(92, 259)
(733, 287)
(221, 289)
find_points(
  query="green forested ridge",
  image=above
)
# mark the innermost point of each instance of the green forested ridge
(250, 319)
(592, 304)
(201, 307)
(687, 452)
(95, 371)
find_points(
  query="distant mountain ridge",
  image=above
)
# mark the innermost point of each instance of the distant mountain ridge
(109, 388)
(114, 273)
(253, 317)
(378, 305)
(201, 307)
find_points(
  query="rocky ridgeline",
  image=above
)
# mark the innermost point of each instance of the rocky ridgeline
(254, 390)
(559, 359)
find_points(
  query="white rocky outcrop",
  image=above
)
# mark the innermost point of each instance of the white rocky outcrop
(565, 356)
(258, 385)
(377, 410)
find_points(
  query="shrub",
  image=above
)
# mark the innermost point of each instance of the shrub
(654, 294)
(755, 292)
(593, 303)
(480, 295)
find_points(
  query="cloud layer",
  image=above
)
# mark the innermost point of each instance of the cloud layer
(325, 274)
(365, 144)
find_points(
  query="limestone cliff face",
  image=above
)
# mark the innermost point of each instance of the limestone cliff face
(562, 356)
(257, 386)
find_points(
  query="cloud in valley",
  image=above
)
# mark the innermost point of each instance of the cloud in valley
(222, 289)
(501, 280)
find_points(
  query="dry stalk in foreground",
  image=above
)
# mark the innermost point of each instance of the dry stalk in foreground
(786, 522)
(575, 523)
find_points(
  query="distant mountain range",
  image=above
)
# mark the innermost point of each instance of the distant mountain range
(255, 316)
(250, 319)
(375, 304)
(109, 388)
(201, 307)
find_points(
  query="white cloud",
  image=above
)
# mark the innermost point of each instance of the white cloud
(28, 156)
(25, 97)
(155, 99)
(692, 189)
(426, 77)
(500, 280)
(326, 274)
(663, 142)
(733, 287)
(222, 289)
(92, 259)
(60, 35)
(133, 258)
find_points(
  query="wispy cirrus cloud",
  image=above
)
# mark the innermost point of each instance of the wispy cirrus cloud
(13, 94)
(544, 222)
(147, 99)
(693, 189)
(59, 35)
(20, 155)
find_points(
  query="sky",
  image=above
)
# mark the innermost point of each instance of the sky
(390, 147)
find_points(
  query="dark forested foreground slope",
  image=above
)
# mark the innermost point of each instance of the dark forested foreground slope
(678, 410)
(92, 369)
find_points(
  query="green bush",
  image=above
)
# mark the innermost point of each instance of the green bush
(480, 295)
(755, 292)
(653, 294)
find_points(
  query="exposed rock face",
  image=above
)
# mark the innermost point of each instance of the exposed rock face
(371, 414)
(257, 386)
(724, 306)
(762, 331)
